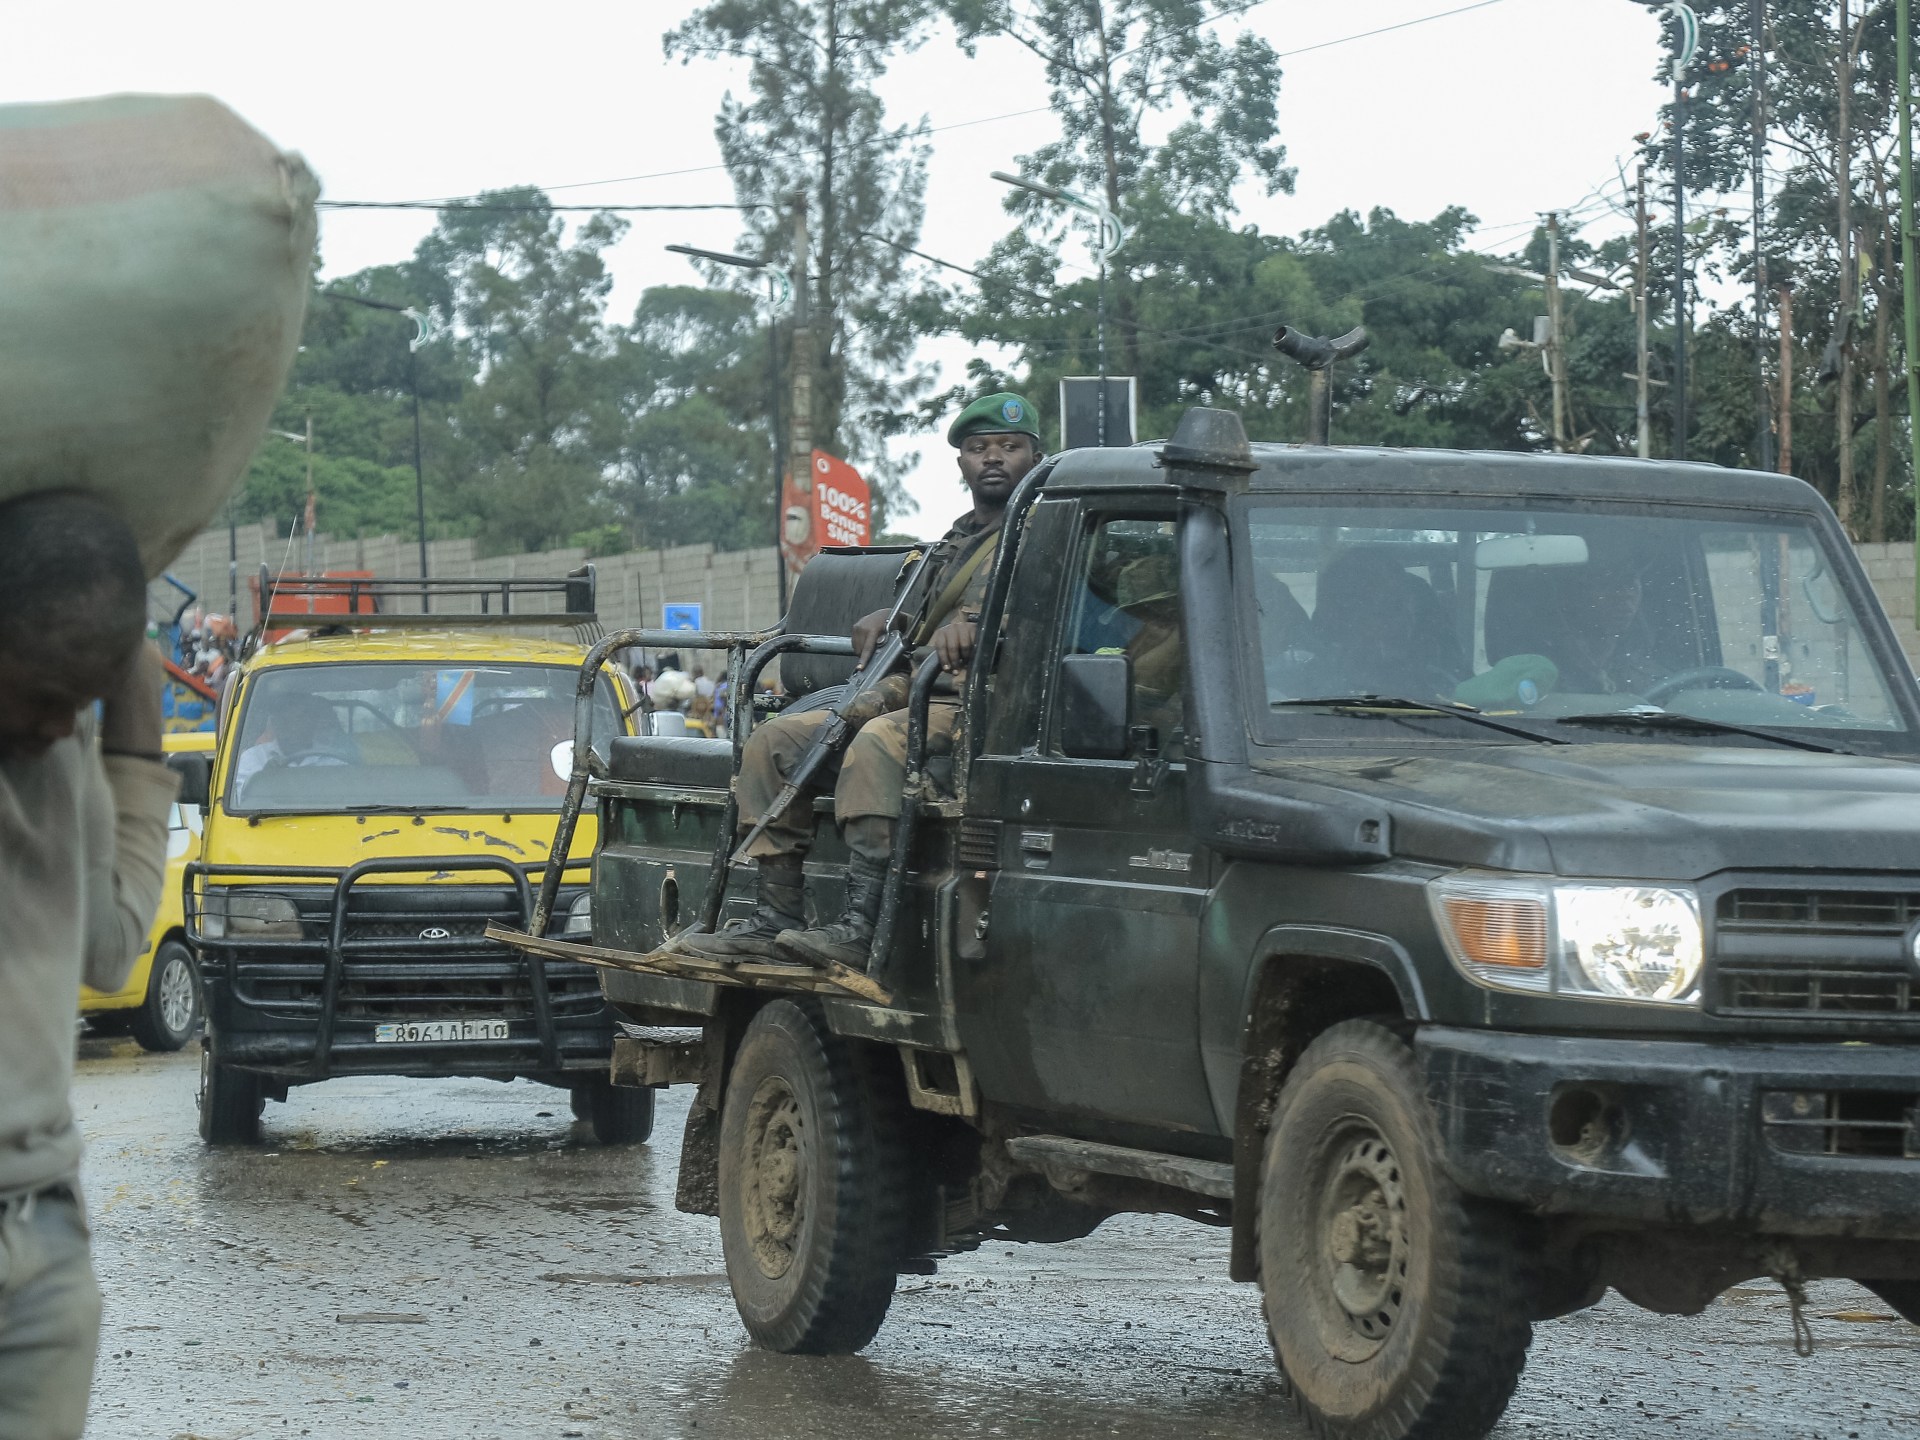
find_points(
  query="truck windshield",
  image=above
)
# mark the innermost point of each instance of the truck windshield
(402, 736)
(1544, 615)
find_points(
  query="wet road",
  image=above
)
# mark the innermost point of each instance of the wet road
(455, 1258)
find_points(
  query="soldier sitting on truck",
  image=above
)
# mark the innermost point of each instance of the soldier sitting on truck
(998, 438)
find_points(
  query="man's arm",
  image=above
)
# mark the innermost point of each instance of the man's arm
(130, 788)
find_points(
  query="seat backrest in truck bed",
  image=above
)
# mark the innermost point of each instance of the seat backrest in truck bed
(684, 760)
(837, 588)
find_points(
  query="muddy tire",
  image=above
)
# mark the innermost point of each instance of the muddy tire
(617, 1114)
(171, 1012)
(230, 1102)
(814, 1184)
(1394, 1302)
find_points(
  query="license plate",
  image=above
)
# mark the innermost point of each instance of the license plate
(419, 1032)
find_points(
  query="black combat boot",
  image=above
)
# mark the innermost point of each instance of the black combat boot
(848, 940)
(781, 906)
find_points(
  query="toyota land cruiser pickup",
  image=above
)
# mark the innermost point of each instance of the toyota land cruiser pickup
(1477, 880)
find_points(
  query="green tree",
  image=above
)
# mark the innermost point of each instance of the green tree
(694, 462)
(352, 376)
(1434, 375)
(812, 124)
(529, 440)
(1110, 66)
(1806, 55)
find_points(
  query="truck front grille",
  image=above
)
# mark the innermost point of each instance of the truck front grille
(1804, 954)
(497, 992)
(375, 916)
(1808, 990)
(1870, 1124)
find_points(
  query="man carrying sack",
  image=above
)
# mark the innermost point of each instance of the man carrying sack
(83, 846)
(998, 438)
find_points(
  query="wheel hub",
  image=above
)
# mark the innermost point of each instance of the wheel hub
(1364, 1237)
(176, 995)
(774, 1176)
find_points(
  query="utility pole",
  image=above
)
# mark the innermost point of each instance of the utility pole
(1757, 75)
(1556, 341)
(774, 448)
(419, 473)
(233, 566)
(311, 507)
(1843, 170)
(1679, 381)
(800, 427)
(1110, 236)
(1909, 282)
(1642, 417)
(1786, 380)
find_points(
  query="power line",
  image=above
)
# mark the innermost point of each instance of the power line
(929, 130)
(461, 205)
(1386, 29)
(1218, 15)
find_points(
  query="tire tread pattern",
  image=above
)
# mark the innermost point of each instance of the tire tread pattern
(845, 1297)
(230, 1104)
(1466, 1375)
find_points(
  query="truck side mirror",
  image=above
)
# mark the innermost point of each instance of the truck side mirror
(196, 778)
(1095, 695)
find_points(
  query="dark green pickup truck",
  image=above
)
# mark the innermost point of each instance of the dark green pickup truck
(1477, 880)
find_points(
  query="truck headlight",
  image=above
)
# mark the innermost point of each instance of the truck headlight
(1613, 942)
(580, 917)
(234, 914)
(1629, 942)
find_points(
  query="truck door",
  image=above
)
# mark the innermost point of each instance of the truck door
(1084, 999)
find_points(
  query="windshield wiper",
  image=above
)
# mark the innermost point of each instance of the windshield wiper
(1653, 718)
(391, 810)
(1396, 704)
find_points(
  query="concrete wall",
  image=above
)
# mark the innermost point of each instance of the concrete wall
(736, 590)
(1890, 567)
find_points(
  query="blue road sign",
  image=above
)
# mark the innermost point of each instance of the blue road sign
(680, 617)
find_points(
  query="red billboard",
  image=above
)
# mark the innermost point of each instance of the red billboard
(833, 506)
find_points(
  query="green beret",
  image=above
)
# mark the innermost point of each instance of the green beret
(1002, 414)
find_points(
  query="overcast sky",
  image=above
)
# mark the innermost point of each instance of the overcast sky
(1511, 108)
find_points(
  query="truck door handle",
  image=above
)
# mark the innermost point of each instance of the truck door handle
(1037, 847)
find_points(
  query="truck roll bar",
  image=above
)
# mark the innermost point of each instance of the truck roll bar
(748, 652)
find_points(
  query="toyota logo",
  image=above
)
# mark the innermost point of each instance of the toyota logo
(434, 932)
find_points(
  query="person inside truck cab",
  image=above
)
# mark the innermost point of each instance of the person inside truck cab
(1581, 617)
(1143, 624)
(998, 440)
(1377, 629)
(301, 730)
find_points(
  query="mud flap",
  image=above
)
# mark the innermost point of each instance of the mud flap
(698, 1189)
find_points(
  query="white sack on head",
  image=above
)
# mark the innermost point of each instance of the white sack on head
(155, 259)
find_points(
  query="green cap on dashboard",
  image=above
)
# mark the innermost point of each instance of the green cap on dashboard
(1516, 683)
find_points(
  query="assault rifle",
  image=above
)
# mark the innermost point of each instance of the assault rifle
(894, 644)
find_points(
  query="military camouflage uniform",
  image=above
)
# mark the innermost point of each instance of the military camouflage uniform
(873, 771)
